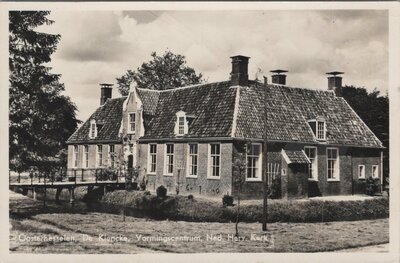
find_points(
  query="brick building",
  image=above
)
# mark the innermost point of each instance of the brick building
(189, 137)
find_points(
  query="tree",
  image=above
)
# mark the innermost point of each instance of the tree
(239, 168)
(41, 118)
(162, 72)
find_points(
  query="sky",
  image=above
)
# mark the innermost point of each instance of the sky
(99, 46)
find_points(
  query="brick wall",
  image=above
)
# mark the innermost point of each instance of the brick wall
(199, 185)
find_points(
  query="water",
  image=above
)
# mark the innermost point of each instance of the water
(23, 208)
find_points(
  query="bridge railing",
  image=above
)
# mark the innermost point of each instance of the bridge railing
(77, 175)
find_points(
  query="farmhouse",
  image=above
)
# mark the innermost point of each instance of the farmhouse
(189, 137)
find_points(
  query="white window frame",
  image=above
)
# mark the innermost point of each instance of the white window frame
(181, 128)
(190, 161)
(336, 166)
(85, 156)
(75, 156)
(377, 171)
(111, 155)
(317, 130)
(361, 173)
(150, 161)
(92, 129)
(258, 166)
(130, 131)
(99, 155)
(166, 159)
(313, 169)
(210, 170)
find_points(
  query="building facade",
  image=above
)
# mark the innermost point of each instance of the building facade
(201, 139)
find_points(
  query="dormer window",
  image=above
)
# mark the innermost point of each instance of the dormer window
(132, 122)
(181, 125)
(93, 129)
(318, 126)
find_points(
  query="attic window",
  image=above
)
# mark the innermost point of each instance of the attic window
(92, 129)
(318, 126)
(181, 125)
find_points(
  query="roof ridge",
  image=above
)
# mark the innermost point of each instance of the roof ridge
(186, 87)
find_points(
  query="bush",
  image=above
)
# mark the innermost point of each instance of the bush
(147, 193)
(274, 189)
(190, 197)
(161, 191)
(371, 185)
(107, 174)
(227, 200)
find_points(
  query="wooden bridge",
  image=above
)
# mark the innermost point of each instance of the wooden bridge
(70, 179)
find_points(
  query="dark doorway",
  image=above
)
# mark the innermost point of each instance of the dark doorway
(130, 161)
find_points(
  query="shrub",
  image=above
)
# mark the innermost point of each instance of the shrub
(161, 191)
(147, 193)
(107, 174)
(371, 185)
(274, 189)
(227, 200)
(190, 197)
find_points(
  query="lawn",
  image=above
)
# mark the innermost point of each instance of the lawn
(29, 220)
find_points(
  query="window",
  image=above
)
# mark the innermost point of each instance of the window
(92, 129)
(311, 153)
(333, 164)
(321, 130)
(152, 160)
(361, 171)
(214, 161)
(375, 173)
(254, 160)
(132, 122)
(99, 155)
(86, 155)
(169, 159)
(318, 127)
(75, 156)
(181, 126)
(193, 160)
(111, 152)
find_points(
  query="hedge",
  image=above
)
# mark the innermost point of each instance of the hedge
(182, 208)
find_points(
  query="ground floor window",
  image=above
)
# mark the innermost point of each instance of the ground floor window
(333, 163)
(214, 161)
(169, 159)
(112, 155)
(361, 171)
(311, 153)
(193, 159)
(86, 155)
(375, 173)
(76, 152)
(152, 164)
(99, 155)
(253, 162)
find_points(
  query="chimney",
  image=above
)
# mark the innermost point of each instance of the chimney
(335, 82)
(106, 92)
(239, 74)
(278, 77)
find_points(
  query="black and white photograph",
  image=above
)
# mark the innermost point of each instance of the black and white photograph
(199, 131)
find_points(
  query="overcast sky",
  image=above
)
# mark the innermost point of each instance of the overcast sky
(99, 46)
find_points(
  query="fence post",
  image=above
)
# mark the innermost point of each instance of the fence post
(96, 174)
(82, 175)
(75, 175)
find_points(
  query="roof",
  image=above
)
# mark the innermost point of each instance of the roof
(109, 116)
(290, 109)
(221, 110)
(211, 107)
(295, 157)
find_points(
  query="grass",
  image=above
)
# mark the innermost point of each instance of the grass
(203, 210)
(287, 237)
